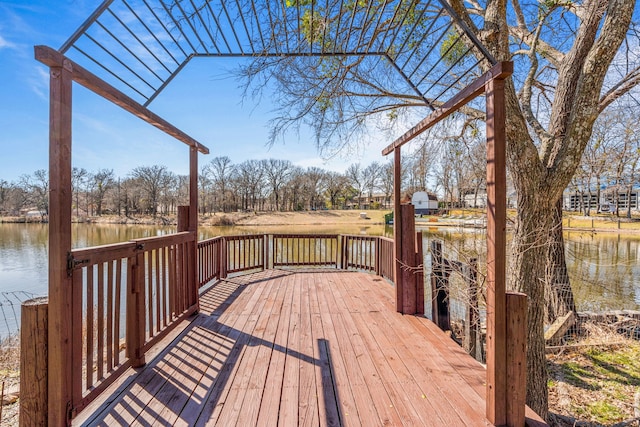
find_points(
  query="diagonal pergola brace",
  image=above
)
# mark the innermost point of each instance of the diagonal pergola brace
(53, 58)
(499, 71)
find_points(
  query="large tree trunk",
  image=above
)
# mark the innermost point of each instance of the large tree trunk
(559, 295)
(533, 227)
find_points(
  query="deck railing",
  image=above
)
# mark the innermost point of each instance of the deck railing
(386, 258)
(360, 252)
(305, 250)
(126, 297)
(209, 260)
(244, 253)
(220, 256)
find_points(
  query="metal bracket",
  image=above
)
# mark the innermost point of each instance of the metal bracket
(72, 263)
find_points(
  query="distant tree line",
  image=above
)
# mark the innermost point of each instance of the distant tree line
(253, 185)
(610, 165)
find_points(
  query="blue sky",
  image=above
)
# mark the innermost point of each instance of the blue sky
(204, 101)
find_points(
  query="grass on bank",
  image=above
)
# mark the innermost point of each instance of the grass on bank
(596, 379)
(10, 376)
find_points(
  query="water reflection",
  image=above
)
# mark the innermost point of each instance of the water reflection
(604, 270)
(603, 267)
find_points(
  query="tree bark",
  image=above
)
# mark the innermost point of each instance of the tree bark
(559, 295)
(533, 227)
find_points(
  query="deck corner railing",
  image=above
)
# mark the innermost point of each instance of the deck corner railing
(128, 296)
(224, 255)
(138, 290)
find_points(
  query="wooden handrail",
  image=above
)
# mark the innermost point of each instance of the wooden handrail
(148, 281)
(144, 285)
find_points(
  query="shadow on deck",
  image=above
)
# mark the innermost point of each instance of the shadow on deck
(303, 348)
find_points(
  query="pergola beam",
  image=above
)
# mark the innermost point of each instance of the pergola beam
(499, 71)
(53, 58)
(501, 408)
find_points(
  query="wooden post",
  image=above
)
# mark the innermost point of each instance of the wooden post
(472, 321)
(184, 224)
(33, 362)
(378, 245)
(408, 258)
(60, 298)
(419, 262)
(397, 229)
(496, 253)
(265, 250)
(193, 227)
(183, 218)
(344, 256)
(136, 324)
(516, 358)
(440, 272)
(436, 265)
(223, 258)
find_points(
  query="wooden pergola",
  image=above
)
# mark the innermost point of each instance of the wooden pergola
(128, 51)
(504, 310)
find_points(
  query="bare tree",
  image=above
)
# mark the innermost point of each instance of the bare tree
(151, 180)
(5, 188)
(204, 190)
(250, 174)
(315, 184)
(386, 182)
(103, 181)
(596, 159)
(79, 178)
(220, 171)
(357, 180)
(371, 179)
(632, 133)
(37, 187)
(568, 78)
(336, 187)
(422, 163)
(277, 173)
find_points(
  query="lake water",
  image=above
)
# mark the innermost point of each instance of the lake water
(604, 268)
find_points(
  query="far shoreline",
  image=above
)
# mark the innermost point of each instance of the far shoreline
(459, 218)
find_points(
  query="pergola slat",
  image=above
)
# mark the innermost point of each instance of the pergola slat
(500, 70)
(53, 58)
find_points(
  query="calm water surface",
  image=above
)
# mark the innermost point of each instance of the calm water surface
(604, 268)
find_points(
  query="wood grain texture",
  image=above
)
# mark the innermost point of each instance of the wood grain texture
(516, 358)
(496, 253)
(60, 298)
(397, 228)
(33, 362)
(321, 348)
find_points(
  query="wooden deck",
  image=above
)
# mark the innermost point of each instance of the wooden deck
(305, 348)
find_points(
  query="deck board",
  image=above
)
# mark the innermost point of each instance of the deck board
(316, 348)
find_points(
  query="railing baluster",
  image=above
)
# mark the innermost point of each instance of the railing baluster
(100, 328)
(76, 336)
(109, 316)
(116, 323)
(156, 260)
(148, 277)
(89, 326)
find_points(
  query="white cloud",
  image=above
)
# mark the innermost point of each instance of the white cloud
(39, 82)
(5, 44)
